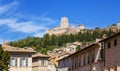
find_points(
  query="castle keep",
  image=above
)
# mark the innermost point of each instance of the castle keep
(64, 28)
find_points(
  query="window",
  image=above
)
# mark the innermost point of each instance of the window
(115, 42)
(13, 61)
(84, 58)
(115, 69)
(75, 64)
(43, 62)
(101, 54)
(109, 69)
(16, 62)
(72, 64)
(79, 62)
(93, 56)
(24, 62)
(108, 45)
(88, 60)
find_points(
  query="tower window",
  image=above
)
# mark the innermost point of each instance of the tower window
(115, 42)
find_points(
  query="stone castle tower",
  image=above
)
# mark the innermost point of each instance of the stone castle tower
(64, 28)
(64, 22)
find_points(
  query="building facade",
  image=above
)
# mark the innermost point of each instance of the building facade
(40, 62)
(51, 66)
(87, 59)
(20, 58)
(112, 52)
(100, 56)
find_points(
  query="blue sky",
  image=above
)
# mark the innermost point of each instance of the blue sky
(22, 18)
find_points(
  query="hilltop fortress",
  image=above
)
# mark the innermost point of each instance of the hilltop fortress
(64, 28)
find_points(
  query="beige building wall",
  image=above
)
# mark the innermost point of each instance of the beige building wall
(20, 69)
(39, 69)
(57, 32)
(37, 64)
(51, 66)
(18, 56)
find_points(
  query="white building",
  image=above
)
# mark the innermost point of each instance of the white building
(71, 47)
(51, 66)
(20, 58)
(40, 62)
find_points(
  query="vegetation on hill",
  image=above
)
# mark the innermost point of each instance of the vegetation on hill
(50, 42)
(4, 60)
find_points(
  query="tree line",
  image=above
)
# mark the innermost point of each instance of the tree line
(50, 42)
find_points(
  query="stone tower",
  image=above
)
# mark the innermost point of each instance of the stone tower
(118, 25)
(64, 22)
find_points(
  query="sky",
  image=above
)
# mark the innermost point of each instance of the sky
(22, 18)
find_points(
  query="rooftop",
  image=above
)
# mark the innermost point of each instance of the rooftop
(39, 55)
(7, 47)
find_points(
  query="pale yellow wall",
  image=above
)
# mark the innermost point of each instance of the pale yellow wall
(40, 68)
(22, 68)
(37, 64)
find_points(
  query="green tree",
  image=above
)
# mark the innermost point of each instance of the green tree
(4, 60)
(78, 48)
(48, 42)
(113, 24)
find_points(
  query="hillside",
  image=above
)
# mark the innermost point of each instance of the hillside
(50, 42)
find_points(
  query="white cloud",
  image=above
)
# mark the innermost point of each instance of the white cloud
(26, 27)
(48, 20)
(33, 24)
(39, 34)
(8, 7)
(7, 21)
(45, 21)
